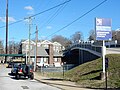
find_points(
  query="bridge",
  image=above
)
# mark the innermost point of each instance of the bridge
(85, 51)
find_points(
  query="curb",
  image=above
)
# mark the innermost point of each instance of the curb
(48, 84)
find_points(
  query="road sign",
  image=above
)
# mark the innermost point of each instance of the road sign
(103, 32)
(103, 29)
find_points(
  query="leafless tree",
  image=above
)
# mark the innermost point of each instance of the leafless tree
(116, 36)
(92, 35)
(13, 47)
(1, 47)
(62, 40)
(76, 37)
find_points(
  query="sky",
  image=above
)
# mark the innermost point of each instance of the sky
(53, 21)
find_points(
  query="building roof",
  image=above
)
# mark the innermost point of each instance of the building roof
(27, 42)
(56, 43)
(43, 52)
(46, 42)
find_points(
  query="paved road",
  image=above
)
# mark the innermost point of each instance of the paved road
(8, 82)
(112, 50)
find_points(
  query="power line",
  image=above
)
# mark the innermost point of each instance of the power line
(78, 18)
(52, 17)
(48, 20)
(55, 14)
(39, 13)
(13, 23)
(50, 8)
(43, 4)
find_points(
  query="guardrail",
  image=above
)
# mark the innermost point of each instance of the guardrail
(86, 46)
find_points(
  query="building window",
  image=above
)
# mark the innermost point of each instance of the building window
(45, 59)
(55, 59)
(27, 47)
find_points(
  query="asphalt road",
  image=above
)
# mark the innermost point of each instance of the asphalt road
(8, 82)
(112, 50)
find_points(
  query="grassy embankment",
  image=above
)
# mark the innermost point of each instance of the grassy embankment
(88, 74)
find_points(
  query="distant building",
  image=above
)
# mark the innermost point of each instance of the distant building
(48, 53)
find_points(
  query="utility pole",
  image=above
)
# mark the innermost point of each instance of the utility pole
(29, 39)
(6, 30)
(29, 42)
(35, 62)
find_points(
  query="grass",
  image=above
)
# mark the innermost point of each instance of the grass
(88, 74)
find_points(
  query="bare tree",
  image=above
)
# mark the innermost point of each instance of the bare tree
(76, 37)
(116, 36)
(13, 47)
(62, 40)
(1, 47)
(10, 47)
(92, 35)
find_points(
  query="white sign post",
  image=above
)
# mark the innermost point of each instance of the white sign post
(103, 54)
(103, 32)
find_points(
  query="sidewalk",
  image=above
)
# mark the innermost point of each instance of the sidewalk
(64, 85)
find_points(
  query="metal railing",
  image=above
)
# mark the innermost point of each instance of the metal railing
(65, 67)
(89, 46)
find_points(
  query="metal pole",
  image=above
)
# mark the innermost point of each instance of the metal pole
(29, 38)
(63, 69)
(103, 53)
(6, 30)
(26, 56)
(106, 78)
(35, 62)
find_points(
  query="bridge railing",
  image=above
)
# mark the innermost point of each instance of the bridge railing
(86, 45)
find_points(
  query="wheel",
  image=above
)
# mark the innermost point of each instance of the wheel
(32, 76)
(24, 70)
(24, 76)
(17, 76)
(12, 73)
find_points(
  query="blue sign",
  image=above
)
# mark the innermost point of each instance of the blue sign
(103, 29)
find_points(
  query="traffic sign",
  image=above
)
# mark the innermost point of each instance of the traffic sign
(103, 29)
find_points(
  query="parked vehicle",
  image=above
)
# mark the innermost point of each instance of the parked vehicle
(14, 68)
(9, 65)
(57, 64)
(23, 70)
(42, 65)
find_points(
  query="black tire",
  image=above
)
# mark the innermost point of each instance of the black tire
(32, 76)
(11, 73)
(24, 76)
(17, 76)
(24, 70)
